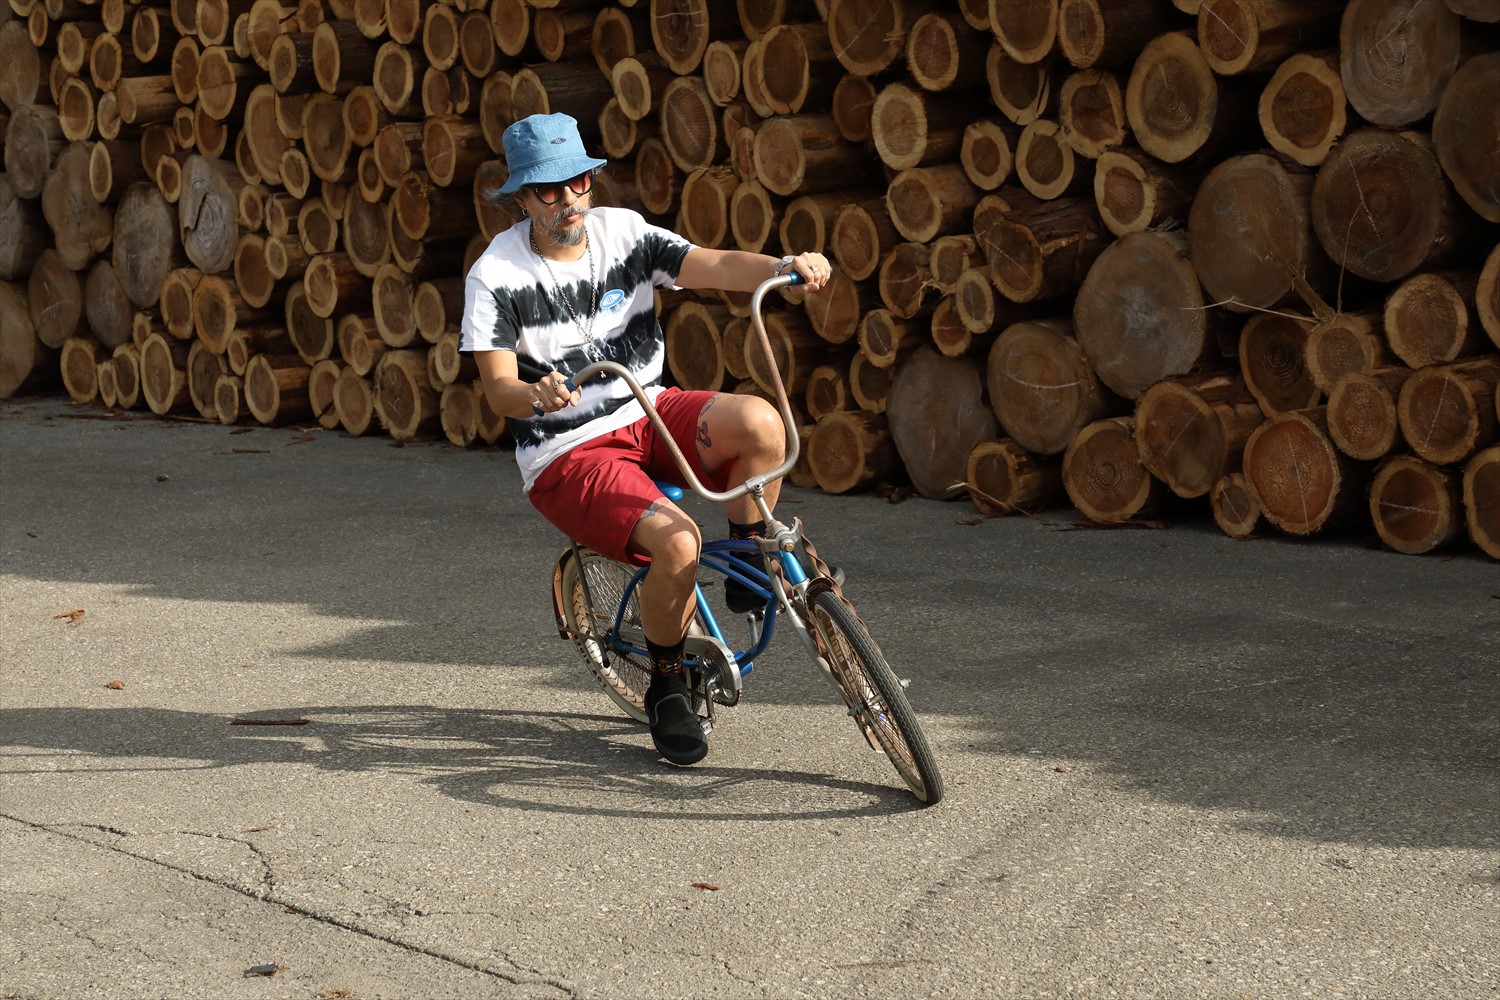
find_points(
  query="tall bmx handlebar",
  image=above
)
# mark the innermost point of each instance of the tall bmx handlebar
(756, 483)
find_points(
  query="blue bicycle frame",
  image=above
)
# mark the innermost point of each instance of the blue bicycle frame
(719, 555)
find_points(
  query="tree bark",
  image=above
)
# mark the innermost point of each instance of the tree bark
(1107, 33)
(801, 155)
(1239, 36)
(1003, 478)
(1135, 192)
(1044, 250)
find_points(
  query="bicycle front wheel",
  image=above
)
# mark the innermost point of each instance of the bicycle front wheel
(593, 586)
(875, 697)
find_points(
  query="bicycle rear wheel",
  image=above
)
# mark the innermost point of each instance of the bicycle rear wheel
(623, 677)
(875, 697)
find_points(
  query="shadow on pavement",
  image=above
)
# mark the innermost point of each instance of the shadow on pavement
(566, 763)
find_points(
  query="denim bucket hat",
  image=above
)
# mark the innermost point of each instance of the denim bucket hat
(544, 149)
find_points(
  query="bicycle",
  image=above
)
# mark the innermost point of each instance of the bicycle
(594, 598)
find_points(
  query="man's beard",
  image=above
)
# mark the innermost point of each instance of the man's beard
(562, 234)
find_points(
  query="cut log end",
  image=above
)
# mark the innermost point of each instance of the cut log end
(1103, 474)
(1235, 509)
(1416, 507)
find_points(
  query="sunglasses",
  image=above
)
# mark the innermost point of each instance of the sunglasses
(551, 194)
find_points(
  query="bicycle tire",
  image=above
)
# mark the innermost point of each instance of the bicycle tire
(623, 677)
(875, 697)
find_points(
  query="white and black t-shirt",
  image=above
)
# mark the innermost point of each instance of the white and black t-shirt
(512, 304)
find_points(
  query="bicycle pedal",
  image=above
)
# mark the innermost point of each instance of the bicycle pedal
(707, 724)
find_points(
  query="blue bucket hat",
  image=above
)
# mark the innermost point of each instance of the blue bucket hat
(544, 149)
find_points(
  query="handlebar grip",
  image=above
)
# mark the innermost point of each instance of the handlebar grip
(795, 278)
(571, 388)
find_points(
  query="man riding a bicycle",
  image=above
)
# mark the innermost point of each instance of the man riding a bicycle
(568, 285)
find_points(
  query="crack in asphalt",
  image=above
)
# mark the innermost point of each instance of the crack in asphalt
(266, 893)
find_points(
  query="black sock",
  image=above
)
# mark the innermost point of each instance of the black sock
(744, 532)
(666, 661)
(741, 531)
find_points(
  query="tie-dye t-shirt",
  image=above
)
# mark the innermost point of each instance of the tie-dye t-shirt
(512, 304)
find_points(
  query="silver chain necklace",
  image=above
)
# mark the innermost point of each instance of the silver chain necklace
(591, 346)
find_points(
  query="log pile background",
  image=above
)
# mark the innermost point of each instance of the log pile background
(1127, 254)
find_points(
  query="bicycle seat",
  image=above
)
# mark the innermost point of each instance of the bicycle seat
(672, 493)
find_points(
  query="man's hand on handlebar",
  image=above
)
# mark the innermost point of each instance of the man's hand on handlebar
(553, 393)
(814, 269)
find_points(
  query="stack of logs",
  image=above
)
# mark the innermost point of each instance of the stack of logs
(1123, 253)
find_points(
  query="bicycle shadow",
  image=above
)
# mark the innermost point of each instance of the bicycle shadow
(569, 763)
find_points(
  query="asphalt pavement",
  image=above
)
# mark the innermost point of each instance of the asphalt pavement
(284, 713)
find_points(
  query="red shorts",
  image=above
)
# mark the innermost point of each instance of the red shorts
(596, 492)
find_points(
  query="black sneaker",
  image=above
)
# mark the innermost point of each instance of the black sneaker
(675, 729)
